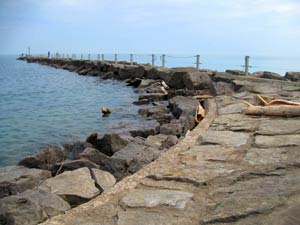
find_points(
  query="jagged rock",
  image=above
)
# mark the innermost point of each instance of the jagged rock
(293, 76)
(136, 156)
(223, 88)
(93, 155)
(223, 77)
(236, 72)
(31, 207)
(151, 97)
(175, 127)
(75, 187)
(131, 72)
(157, 140)
(111, 143)
(44, 159)
(92, 138)
(17, 179)
(183, 106)
(150, 127)
(184, 92)
(70, 165)
(156, 198)
(103, 179)
(170, 141)
(268, 75)
(134, 82)
(73, 150)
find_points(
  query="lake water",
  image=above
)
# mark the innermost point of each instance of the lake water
(42, 106)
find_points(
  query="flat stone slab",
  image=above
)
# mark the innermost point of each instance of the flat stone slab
(16, 179)
(227, 138)
(279, 126)
(277, 141)
(75, 187)
(154, 198)
(231, 109)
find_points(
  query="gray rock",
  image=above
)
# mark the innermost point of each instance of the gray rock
(131, 72)
(150, 127)
(175, 127)
(103, 179)
(44, 159)
(73, 150)
(236, 72)
(157, 140)
(293, 76)
(233, 108)
(151, 97)
(268, 75)
(279, 126)
(31, 207)
(223, 77)
(223, 88)
(155, 198)
(181, 105)
(70, 165)
(277, 141)
(17, 179)
(198, 81)
(226, 138)
(75, 187)
(169, 142)
(111, 143)
(93, 155)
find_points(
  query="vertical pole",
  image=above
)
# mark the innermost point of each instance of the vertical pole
(163, 60)
(29, 51)
(131, 59)
(98, 57)
(247, 58)
(102, 57)
(198, 61)
(89, 56)
(116, 58)
(153, 59)
(81, 57)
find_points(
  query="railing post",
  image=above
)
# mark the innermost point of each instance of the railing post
(153, 60)
(89, 56)
(98, 57)
(116, 58)
(247, 58)
(102, 57)
(163, 58)
(197, 61)
(29, 51)
(131, 59)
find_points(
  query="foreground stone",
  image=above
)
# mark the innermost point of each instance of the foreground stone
(103, 179)
(75, 187)
(17, 179)
(154, 198)
(31, 207)
(293, 76)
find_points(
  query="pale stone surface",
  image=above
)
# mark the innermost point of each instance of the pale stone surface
(234, 108)
(104, 179)
(153, 198)
(277, 141)
(279, 126)
(16, 179)
(75, 186)
(229, 138)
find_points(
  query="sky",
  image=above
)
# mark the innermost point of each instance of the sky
(267, 27)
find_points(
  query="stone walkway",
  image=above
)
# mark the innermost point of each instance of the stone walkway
(231, 169)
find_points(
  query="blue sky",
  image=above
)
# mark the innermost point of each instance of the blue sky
(267, 27)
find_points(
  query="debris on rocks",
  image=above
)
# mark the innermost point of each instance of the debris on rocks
(273, 107)
(200, 113)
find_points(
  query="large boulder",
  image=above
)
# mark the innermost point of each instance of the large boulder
(75, 187)
(146, 128)
(293, 76)
(131, 72)
(175, 79)
(44, 159)
(73, 150)
(183, 106)
(111, 143)
(17, 179)
(31, 207)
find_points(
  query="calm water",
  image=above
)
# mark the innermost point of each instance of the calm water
(42, 106)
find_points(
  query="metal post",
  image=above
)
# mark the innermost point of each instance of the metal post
(247, 65)
(116, 58)
(131, 59)
(198, 61)
(89, 56)
(29, 51)
(81, 56)
(153, 60)
(163, 58)
(102, 57)
(98, 57)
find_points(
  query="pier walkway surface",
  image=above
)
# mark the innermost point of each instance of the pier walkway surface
(231, 169)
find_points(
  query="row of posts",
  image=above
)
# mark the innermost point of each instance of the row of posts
(153, 58)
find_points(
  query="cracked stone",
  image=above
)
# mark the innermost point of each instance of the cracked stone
(277, 141)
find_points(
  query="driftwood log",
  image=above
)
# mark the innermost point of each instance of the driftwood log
(273, 107)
